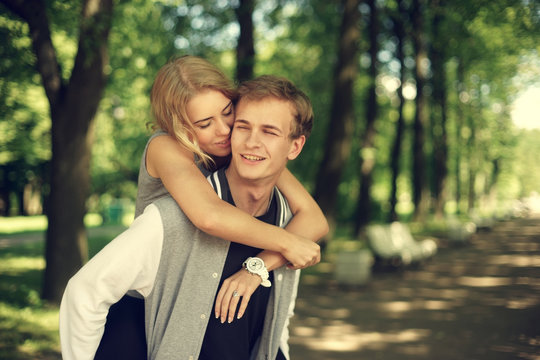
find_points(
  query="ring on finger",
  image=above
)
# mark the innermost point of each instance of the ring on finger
(235, 293)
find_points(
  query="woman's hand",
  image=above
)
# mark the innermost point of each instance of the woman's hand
(302, 253)
(240, 285)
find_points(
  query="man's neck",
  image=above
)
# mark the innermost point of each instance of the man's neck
(253, 197)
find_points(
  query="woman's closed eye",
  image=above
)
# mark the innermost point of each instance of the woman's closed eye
(204, 124)
(228, 110)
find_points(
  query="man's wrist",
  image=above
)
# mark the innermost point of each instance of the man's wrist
(284, 241)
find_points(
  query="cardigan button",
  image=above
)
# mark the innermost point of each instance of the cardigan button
(280, 277)
(203, 316)
(215, 275)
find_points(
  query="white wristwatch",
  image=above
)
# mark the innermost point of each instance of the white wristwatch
(255, 266)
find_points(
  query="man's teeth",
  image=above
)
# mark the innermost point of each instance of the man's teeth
(252, 157)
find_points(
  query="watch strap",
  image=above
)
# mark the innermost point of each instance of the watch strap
(263, 272)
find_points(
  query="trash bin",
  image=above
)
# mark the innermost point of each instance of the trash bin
(115, 212)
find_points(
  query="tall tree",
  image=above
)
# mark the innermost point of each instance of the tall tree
(338, 140)
(73, 104)
(367, 158)
(245, 50)
(399, 30)
(439, 107)
(420, 189)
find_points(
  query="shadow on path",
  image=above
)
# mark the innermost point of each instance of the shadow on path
(477, 302)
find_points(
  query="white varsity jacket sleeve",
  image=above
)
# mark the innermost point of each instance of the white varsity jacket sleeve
(129, 262)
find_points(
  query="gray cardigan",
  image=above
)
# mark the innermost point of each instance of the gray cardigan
(182, 298)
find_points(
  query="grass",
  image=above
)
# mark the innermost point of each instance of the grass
(32, 224)
(22, 224)
(29, 326)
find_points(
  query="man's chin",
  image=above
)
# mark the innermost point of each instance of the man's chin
(250, 175)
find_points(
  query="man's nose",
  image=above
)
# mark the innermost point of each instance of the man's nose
(253, 140)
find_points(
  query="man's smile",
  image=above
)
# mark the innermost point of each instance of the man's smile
(252, 157)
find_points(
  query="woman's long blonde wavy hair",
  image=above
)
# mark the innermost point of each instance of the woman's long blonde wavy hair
(176, 83)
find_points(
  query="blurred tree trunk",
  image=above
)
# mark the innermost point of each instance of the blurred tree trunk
(459, 126)
(399, 31)
(368, 152)
(473, 160)
(419, 183)
(73, 105)
(20, 200)
(338, 140)
(5, 201)
(245, 50)
(439, 109)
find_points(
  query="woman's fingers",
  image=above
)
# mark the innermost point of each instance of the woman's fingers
(235, 290)
(235, 298)
(244, 304)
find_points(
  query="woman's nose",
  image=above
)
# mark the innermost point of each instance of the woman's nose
(223, 128)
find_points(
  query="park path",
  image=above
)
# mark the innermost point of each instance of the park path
(476, 302)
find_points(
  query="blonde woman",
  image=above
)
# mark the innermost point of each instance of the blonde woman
(193, 106)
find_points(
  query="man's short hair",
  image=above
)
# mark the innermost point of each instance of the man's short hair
(282, 89)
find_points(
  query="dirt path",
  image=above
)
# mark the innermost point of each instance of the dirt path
(476, 302)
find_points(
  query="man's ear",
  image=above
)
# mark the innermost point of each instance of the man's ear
(296, 147)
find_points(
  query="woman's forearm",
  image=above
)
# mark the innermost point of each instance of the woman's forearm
(214, 216)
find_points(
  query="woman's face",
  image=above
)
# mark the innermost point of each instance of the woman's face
(212, 116)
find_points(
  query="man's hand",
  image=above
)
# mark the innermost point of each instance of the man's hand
(240, 285)
(302, 253)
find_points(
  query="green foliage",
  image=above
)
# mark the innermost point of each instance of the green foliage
(139, 46)
(526, 171)
(298, 40)
(293, 38)
(24, 144)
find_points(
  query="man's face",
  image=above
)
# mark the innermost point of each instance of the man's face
(260, 139)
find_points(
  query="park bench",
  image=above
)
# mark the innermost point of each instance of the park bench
(484, 223)
(394, 244)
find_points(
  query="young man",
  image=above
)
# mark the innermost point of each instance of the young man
(178, 269)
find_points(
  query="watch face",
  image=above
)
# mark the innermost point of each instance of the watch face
(255, 264)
